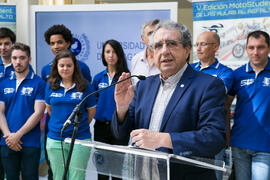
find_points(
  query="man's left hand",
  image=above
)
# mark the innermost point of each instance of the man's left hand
(146, 139)
(13, 139)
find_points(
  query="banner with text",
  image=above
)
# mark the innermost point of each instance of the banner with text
(232, 20)
(8, 16)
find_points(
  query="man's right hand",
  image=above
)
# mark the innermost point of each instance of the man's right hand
(123, 96)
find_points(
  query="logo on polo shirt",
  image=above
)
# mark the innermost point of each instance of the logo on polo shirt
(9, 90)
(27, 91)
(1, 74)
(56, 94)
(246, 82)
(102, 85)
(76, 95)
(266, 82)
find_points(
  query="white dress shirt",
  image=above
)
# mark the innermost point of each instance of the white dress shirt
(164, 95)
(140, 66)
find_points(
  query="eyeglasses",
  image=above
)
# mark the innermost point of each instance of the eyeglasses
(150, 33)
(170, 44)
(202, 44)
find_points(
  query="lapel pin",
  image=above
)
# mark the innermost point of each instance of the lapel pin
(182, 85)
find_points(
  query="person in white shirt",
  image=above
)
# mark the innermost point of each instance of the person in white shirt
(143, 62)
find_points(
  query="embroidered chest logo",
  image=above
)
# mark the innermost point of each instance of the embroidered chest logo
(9, 90)
(1, 74)
(246, 82)
(27, 91)
(266, 82)
(102, 85)
(56, 95)
(76, 95)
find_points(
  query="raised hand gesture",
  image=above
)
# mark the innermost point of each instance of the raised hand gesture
(123, 96)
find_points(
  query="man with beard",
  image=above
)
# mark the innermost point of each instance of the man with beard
(21, 109)
(250, 136)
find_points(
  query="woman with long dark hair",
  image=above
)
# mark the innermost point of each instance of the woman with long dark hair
(66, 88)
(113, 58)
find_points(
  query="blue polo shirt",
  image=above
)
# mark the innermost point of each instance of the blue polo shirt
(19, 105)
(251, 129)
(218, 70)
(105, 99)
(62, 102)
(46, 70)
(5, 71)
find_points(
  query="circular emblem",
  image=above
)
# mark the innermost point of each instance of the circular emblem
(99, 159)
(80, 47)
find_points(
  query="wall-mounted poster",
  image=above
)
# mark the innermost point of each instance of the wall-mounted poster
(232, 20)
(92, 25)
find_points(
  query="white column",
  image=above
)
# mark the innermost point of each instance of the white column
(22, 19)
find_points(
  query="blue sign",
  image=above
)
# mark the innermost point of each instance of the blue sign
(7, 13)
(226, 9)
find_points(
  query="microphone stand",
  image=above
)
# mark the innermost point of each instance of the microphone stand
(78, 117)
(77, 121)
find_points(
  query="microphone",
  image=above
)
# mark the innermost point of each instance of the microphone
(78, 106)
(71, 117)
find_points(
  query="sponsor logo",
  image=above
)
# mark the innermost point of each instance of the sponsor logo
(76, 95)
(99, 160)
(9, 90)
(56, 95)
(27, 91)
(102, 85)
(81, 47)
(266, 82)
(246, 82)
(215, 28)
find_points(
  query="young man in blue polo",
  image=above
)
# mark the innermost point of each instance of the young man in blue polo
(7, 38)
(250, 136)
(207, 44)
(59, 38)
(21, 109)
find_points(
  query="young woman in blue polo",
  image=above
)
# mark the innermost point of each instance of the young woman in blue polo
(114, 59)
(65, 90)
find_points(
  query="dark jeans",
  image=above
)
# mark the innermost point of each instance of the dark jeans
(25, 161)
(2, 174)
(102, 133)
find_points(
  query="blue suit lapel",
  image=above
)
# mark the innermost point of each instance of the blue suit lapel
(180, 89)
(153, 91)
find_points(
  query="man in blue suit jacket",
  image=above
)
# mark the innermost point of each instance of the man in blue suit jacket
(180, 111)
